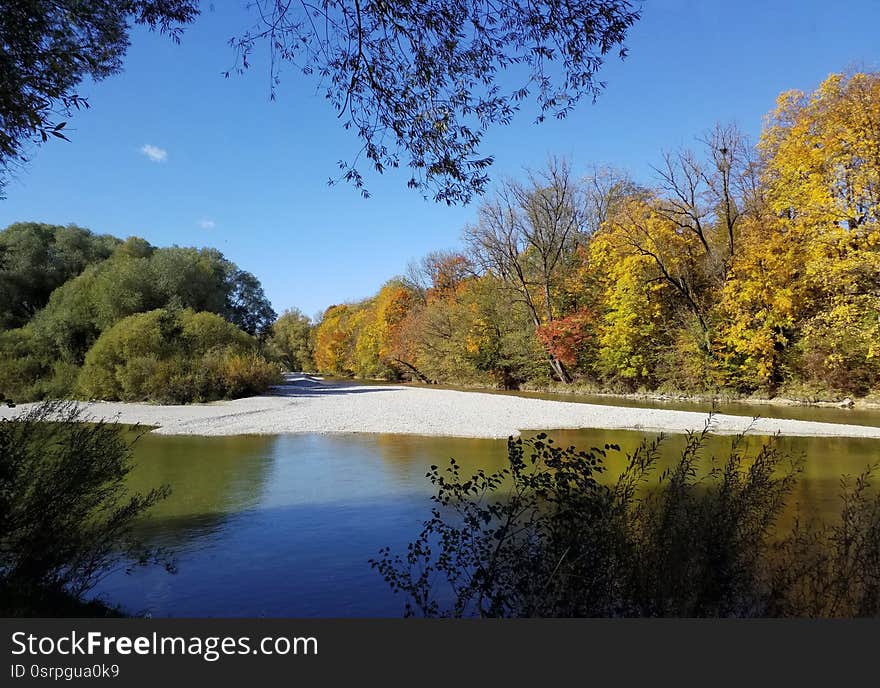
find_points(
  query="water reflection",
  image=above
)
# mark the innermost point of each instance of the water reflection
(823, 460)
(211, 478)
(284, 525)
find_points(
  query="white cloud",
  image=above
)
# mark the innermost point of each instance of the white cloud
(207, 224)
(154, 153)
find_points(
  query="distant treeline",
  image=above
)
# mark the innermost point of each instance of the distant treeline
(97, 317)
(749, 269)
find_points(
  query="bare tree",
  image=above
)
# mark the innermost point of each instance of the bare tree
(707, 196)
(684, 200)
(527, 234)
(733, 179)
(605, 187)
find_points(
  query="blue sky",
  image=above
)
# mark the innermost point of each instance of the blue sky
(228, 168)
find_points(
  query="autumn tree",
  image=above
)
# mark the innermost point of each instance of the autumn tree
(379, 350)
(744, 269)
(334, 339)
(629, 303)
(527, 235)
(822, 168)
(821, 179)
(439, 274)
(568, 339)
(760, 307)
(480, 333)
(675, 257)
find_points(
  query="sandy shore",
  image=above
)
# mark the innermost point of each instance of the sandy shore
(304, 405)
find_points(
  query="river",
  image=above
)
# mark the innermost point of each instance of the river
(284, 525)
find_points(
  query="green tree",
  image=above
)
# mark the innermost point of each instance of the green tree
(292, 338)
(137, 278)
(246, 304)
(35, 259)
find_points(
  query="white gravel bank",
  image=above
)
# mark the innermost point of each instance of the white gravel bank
(306, 405)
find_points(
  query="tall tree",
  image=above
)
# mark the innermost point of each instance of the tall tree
(527, 235)
(822, 155)
(292, 337)
(35, 259)
(706, 195)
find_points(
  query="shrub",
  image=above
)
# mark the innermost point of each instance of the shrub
(244, 374)
(65, 513)
(20, 367)
(547, 537)
(175, 357)
(202, 332)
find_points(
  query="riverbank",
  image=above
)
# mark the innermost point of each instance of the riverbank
(869, 403)
(310, 405)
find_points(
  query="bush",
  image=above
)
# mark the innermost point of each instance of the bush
(175, 357)
(20, 367)
(65, 513)
(547, 537)
(244, 374)
(202, 332)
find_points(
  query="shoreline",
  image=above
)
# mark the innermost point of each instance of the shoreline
(843, 404)
(314, 406)
(859, 403)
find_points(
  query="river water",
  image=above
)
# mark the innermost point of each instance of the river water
(284, 525)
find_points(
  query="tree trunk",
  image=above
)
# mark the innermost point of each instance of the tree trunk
(559, 369)
(555, 364)
(415, 371)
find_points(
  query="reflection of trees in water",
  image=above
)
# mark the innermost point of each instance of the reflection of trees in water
(211, 478)
(826, 459)
(817, 493)
(409, 456)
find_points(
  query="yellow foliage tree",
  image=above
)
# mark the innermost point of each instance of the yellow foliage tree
(811, 271)
(333, 341)
(625, 272)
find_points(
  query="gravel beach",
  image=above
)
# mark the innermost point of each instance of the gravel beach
(309, 405)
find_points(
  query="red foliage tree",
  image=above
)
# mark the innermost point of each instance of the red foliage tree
(566, 338)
